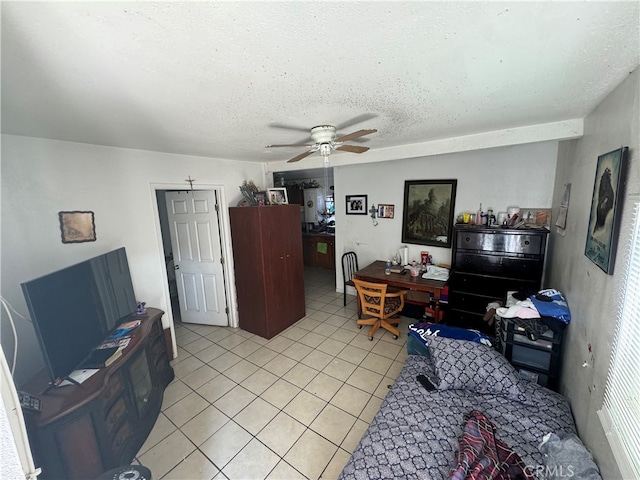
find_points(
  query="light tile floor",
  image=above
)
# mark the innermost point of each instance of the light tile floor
(293, 407)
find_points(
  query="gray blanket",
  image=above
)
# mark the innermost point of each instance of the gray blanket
(415, 433)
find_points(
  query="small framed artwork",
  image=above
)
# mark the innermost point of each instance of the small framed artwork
(536, 217)
(277, 196)
(427, 217)
(385, 211)
(356, 204)
(77, 227)
(261, 198)
(604, 220)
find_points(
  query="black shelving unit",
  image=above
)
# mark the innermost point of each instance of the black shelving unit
(536, 360)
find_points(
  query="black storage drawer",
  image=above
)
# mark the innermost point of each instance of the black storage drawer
(464, 319)
(496, 241)
(515, 267)
(470, 302)
(489, 286)
(537, 360)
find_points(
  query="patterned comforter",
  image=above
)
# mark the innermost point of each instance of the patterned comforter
(416, 433)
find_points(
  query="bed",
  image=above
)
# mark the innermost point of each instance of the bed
(416, 432)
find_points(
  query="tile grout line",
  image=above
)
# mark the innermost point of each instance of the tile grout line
(198, 333)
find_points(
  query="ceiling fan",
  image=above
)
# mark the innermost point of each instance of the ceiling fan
(325, 140)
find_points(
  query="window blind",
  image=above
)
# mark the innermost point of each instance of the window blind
(621, 406)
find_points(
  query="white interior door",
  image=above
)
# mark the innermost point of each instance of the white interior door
(197, 256)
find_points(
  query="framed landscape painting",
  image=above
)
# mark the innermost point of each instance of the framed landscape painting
(427, 217)
(604, 219)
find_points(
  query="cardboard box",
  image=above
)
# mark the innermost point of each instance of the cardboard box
(418, 297)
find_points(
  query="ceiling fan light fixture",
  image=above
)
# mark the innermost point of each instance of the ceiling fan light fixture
(325, 149)
(325, 141)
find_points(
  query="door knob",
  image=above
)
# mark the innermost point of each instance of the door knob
(177, 267)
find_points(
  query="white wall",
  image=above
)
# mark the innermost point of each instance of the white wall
(593, 296)
(500, 177)
(42, 177)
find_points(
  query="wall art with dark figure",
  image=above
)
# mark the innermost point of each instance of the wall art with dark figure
(604, 220)
(427, 217)
(356, 204)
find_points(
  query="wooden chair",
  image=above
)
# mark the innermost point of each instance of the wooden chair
(380, 305)
(349, 267)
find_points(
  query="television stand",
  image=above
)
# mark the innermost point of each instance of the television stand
(83, 432)
(58, 384)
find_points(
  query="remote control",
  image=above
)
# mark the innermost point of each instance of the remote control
(425, 383)
(29, 401)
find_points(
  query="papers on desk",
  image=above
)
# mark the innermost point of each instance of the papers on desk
(436, 273)
(80, 375)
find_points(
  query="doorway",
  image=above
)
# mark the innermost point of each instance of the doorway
(194, 255)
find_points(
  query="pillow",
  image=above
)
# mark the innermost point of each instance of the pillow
(464, 365)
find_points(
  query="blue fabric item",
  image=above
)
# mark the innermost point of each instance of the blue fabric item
(424, 330)
(416, 345)
(556, 308)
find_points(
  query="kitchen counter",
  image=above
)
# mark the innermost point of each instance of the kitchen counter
(319, 234)
(319, 249)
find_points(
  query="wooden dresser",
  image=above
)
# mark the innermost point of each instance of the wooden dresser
(85, 430)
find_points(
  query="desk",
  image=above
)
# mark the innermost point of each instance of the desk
(375, 273)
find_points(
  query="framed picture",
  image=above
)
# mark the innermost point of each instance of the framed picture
(536, 217)
(261, 198)
(385, 211)
(427, 217)
(356, 204)
(604, 219)
(277, 196)
(77, 227)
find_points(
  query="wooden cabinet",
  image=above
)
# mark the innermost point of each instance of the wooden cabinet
(488, 262)
(267, 253)
(83, 431)
(316, 255)
(295, 196)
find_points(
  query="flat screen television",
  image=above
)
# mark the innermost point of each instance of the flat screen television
(75, 308)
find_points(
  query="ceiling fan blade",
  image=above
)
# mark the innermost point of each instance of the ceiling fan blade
(288, 127)
(352, 148)
(300, 157)
(291, 145)
(355, 120)
(351, 136)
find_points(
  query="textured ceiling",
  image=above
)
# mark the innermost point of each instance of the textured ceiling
(208, 78)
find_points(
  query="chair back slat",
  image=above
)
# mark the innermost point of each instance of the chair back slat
(349, 265)
(349, 268)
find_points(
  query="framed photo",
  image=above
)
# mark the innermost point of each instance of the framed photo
(277, 196)
(77, 227)
(604, 219)
(427, 217)
(385, 211)
(356, 204)
(536, 217)
(261, 198)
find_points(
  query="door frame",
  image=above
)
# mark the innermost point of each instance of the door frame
(225, 245)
